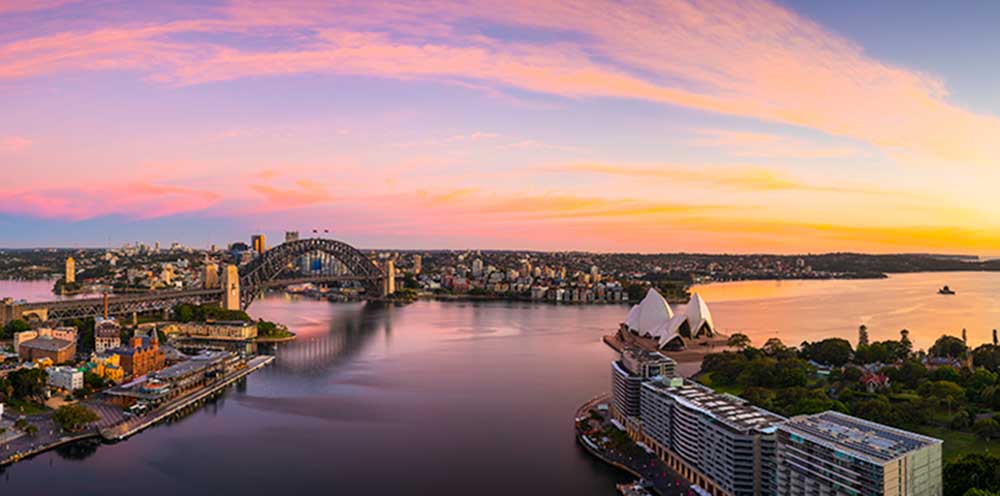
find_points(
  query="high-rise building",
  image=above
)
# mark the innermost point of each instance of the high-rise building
(718, 441)
(830, 454)
(211, 279)
(389, 284)
(477, 267)
(70, 270)
(291, 236)
(259, 243)
(635, 367)
(417, 264)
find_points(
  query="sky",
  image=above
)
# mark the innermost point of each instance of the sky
(646, 126)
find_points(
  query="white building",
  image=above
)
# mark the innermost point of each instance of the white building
(65, 378)
(653, 318)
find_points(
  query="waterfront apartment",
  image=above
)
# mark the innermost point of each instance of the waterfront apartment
(831, 453)
(636, 366)
(717, 441)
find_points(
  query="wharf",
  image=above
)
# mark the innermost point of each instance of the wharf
(135, 424)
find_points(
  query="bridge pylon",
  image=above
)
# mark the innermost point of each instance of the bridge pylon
(231, 288)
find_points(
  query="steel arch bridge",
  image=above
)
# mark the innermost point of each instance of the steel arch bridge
(263, 270)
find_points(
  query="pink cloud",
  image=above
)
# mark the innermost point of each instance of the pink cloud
(751, 58)
(14, 143)
(135, 200)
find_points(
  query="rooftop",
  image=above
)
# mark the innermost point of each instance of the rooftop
(731, 410)
(47, 344)
(868, 440)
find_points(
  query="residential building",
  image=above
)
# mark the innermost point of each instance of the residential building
(70, 276)
(65, 378)
(635, 366)
(107, 334)
(831, 453)
(718, 441)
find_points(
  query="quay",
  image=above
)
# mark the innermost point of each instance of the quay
(617, 450)
(114, 427)
(133, 425)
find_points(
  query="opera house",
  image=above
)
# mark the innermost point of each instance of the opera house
(654, 322)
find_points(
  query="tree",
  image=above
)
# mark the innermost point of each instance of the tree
(987, 356)
(904, 339)
(862, 335)
(13, 327)
(738, 340)
(74, 417)
(971, 471)
(987, 428)
(948, 346)
(835, 352)
(28, 384)
(773, 347)
(995, 343)
(980, 492)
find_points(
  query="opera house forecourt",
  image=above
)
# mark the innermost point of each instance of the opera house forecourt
(723, 445)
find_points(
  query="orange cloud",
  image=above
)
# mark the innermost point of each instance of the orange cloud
(734, 177)
(304, 193)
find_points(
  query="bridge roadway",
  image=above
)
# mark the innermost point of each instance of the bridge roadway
(136, 303)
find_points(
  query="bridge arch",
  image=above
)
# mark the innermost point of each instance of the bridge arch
(255, 275)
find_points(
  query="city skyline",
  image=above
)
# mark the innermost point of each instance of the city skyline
(789, 127)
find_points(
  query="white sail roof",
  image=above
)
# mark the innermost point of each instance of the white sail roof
(698, 315)
(650, 316)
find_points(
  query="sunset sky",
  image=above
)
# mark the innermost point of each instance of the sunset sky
(653, 126)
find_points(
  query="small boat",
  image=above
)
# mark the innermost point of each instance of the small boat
(946, 291)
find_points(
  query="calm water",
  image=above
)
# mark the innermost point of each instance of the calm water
(809, 310)
(453, 398)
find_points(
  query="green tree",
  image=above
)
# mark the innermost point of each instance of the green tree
(835, 352)
(738, 340)
(987, 428)
(773, 347)
(987, 356)
(13, 327)
(971, 471)
(862, 335)
(948, 346)
(74, 417)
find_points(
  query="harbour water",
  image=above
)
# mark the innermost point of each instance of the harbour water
(454, 397)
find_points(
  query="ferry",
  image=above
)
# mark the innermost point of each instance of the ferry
(946, 291)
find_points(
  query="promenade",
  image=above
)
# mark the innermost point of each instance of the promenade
(601, 438)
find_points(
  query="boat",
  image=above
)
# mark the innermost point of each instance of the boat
(946, 291)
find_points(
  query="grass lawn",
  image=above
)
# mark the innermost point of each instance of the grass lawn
(26, 408)
(959, 443)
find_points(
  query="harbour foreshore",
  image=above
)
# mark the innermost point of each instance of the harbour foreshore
(45, 440)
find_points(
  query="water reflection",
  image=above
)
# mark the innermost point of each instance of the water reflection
(348, 332)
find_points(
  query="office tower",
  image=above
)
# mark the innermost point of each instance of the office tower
(70, 270)
(259, 243)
